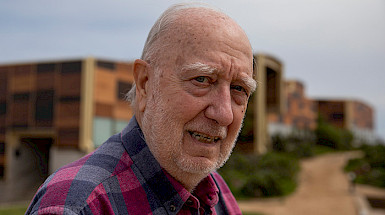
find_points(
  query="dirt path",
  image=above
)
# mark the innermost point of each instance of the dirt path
(323, 190)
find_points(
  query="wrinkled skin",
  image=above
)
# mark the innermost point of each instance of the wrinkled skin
(191, 102)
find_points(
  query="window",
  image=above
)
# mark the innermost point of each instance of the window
(337, 116)
(44, 106)
(2, 148)
(21, 97)
(106, 65)
(3, 108)
(47, 67)
(71, 67)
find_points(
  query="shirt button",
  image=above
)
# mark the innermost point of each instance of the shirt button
(189, 202)
(172, 208)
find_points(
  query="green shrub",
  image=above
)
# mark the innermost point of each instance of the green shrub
(299, 145)
(247, 132)
(272, 174)
(332, 136)
(358, 165)
(371, 168)
(251, 213)
(375, 155)
(13, 210)
(375, 177)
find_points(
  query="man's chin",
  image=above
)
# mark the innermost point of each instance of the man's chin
(197, 165)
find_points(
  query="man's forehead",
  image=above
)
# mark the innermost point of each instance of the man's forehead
(192, 33)
(190, 22)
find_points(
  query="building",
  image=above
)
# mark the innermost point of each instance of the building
(300, 111)
(281, 106)
(52, 113)
(353, 115)
(268, 100)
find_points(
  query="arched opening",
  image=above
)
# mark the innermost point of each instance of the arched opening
(33, 157)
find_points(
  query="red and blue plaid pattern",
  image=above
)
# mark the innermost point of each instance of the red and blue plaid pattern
(123, 177)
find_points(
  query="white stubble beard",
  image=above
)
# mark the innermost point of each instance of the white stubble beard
(165, 139)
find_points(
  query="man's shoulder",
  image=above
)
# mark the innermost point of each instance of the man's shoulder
(220, 182)
(227, 201)
(72, 185)
(108, 160)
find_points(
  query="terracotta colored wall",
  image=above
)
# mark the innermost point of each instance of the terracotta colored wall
(333, 112)
(112, 82)
(301, 112)
(362, 115)
(42, 95)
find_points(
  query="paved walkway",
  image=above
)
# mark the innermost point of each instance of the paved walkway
(323, 190)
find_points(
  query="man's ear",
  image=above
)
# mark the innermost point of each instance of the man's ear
(141, 80)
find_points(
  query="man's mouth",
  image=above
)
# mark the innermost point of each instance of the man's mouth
(203, 137)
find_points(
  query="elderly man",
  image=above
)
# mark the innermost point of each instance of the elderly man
(193, 83)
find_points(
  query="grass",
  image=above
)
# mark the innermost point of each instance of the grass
(13, 210)
(20, 209)
(320, 150)
(251, 213)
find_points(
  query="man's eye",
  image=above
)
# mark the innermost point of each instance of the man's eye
(202, 79)
(238, 88)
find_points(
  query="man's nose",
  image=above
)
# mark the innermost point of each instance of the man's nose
(220, 107)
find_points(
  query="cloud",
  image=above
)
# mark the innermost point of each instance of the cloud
(335, 47)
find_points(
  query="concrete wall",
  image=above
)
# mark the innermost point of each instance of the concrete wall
(27, 167)
(60, 157)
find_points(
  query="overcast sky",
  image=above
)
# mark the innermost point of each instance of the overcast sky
(336, 48)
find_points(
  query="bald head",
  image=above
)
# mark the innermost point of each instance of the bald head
(184, 27)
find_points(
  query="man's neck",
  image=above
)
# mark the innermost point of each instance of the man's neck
(188, 180)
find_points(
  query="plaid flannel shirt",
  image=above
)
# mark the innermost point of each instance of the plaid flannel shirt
(123, 177)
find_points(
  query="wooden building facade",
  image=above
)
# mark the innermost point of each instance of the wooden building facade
(52, 113)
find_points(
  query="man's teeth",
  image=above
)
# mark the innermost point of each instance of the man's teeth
(204, 138)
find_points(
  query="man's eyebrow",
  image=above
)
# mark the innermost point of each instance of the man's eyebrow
(200, 67)
(250, 83)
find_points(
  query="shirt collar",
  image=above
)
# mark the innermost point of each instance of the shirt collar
(207, 191)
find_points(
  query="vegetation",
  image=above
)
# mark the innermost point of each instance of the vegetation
(251, 213)
(298, 144)
(275, 173)
(247, 132)
(333, 137)
(272, 174)
(13, 210)
(370, 169)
